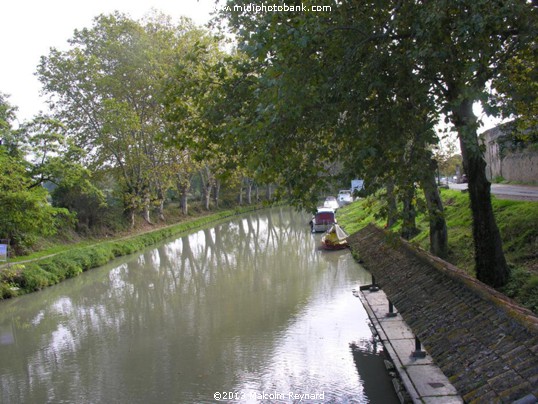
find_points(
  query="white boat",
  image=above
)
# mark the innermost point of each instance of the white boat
(322, 220)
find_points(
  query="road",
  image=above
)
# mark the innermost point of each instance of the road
(508, 191)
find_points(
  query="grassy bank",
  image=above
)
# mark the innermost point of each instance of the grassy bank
(517, 224)
(49, 267)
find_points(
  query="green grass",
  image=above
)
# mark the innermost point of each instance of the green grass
(517, 222)
(61, 262)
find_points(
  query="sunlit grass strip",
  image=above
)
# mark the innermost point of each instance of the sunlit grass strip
(516, 221)
(23, 278)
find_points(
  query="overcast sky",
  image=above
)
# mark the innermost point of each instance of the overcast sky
(29, 28)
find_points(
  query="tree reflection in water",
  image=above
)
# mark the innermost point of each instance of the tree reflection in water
(242, 304)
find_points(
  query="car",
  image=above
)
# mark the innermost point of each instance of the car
(322, 220)
(331, 202)
(344, 197)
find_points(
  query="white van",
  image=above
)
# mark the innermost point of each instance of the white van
(344, 197)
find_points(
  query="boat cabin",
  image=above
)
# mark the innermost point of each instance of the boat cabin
(322, 220)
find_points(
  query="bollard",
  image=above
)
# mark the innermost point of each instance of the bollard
(372, 288)
(391, 312)
(418, 352)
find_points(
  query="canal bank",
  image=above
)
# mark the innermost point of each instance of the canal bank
(485, 343)
(249, 306)
(21, 277)
(420, 380)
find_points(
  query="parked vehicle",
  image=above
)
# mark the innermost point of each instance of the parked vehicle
(331, 202)
(344, 197)
(322, 220)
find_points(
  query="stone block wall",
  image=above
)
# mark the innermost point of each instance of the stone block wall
(486, 344)
(519, 165)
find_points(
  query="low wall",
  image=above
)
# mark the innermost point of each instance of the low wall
(486, 344)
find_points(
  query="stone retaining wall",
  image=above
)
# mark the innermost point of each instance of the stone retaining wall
(486, 344)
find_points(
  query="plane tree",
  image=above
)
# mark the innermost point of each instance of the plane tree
(454, 49)
(459, 47)
(322, 102)
(515, 93)
(107, 89)
(204, 93)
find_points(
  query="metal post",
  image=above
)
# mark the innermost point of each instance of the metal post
(373, 286)
(391, 312)
(418, 352)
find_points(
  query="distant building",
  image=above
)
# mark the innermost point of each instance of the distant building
(508, 159)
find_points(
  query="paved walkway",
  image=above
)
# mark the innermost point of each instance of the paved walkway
(423, 380)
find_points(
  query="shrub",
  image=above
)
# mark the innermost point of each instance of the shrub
(33, 278)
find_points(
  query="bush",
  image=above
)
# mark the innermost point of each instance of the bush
(523, 287)
(33, 278)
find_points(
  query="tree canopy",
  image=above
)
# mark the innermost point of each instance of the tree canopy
(26, 213)
(374, 78)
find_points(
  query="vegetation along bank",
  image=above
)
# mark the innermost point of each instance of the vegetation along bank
(517, 224)
(21, 278)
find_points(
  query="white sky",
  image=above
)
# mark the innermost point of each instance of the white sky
(29, 28)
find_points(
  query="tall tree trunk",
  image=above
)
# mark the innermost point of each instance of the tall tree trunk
(240, 196)
(490, 263)
(269, 192)
(250, 182)
(160, 194)
(392, 207)
(207, 185)
(436, 215)
(207, 196)
(161, 210)
(131, 217)
(129, 205)
(183, 203)
(146, 209)
(216, 193)
(409, 213)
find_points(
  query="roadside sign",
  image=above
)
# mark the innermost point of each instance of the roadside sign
(3, 252)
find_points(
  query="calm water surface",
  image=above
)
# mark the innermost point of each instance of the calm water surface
(250, 309)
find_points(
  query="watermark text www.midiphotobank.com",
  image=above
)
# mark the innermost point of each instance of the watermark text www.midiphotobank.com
(257, 8)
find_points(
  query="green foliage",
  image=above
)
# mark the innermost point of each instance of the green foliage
(26, 213)
(108, 90)
(77, 192)
(523, 286)
(33, 278)
(24, 278)
(365, 85)
(517, 223)
(517, 89)
(8, 137)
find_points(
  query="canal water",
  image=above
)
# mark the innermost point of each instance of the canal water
(249, 310)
